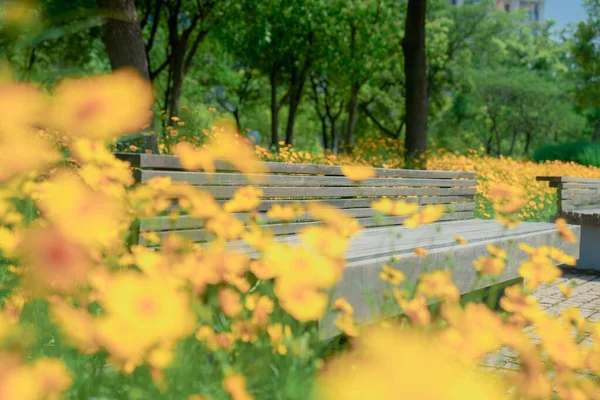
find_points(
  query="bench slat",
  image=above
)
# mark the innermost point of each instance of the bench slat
(224, 178)
(226, 192)
(154, 161)
(164, 223)
(199, 235)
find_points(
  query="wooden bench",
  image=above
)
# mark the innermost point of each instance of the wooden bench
(382, 237)
(578, 202)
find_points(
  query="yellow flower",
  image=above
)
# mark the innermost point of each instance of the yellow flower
(565, 290)
(565, 232)
(347, 325)
(230, 302)
(261, 307)
(225, 226)
(53, 377)
(325, 240)
(427, 215)
(496, 251)
(391, 364)
(421, 252)
(459, 239)
(438, 284)
(54, 262)
(302, 302)
(515, 301)
(278, 334)
(102, 106)
(24, 152)
(344, 224)
(284, 212)
(538, 269)
(358, 173)
(391, 275)
(489, 265)
(472, 332)
(140, 312)
(416, 309)
(397, 208)
(83, 215)
(341, 304)
(244, 199)
(244, 331)
(559, 343)
(235, 385)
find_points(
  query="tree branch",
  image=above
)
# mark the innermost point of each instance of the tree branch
(154, 29)
(382, 128)
(157, 71)
(188, 59)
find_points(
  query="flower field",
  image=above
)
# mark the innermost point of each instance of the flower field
(86, 315)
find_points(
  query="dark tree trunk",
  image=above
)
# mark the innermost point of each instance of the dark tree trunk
(353, 101)
(124, 43)
(513, 142)
(274, 79)
(177, 77)
(236, 116)
(527, 142)
(352, 108)
(295, 98)
(596, 131)
(413, 46)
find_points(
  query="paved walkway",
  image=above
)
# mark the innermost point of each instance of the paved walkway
(585, 296)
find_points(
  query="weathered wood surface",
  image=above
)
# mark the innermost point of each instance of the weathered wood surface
(237, 179)
(363, 288)
(188, 222)
(160, 162)
(557, 180)
(579, 199)
(200, 235)
(226, 192)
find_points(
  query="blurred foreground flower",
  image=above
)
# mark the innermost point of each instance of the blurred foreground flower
(102, 106)
(395, 364)
(357, 173)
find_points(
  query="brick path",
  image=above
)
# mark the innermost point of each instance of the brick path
(585, 296)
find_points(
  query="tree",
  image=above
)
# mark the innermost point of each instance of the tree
(183, 26)
(125, 44)
(586, 59)
(278, 38)
(413, 46)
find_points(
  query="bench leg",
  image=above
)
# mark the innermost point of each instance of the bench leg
(589, 250)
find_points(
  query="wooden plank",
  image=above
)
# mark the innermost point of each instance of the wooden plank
(567, 179)
(154, 161)
(580, 196)
(353, 203)
(385, 241)
(581, 185)
(199, 235)
(226, 192)
(164, 223)
(228, 179)
(578, 205)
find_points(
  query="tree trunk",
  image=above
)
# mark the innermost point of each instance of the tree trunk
(352, 107)
(274, 79)
(177, 76)
(124, 43)
(413, 46)
(596, 131)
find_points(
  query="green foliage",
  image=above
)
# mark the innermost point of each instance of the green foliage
(581, 152)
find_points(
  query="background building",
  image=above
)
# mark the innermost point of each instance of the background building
(535, 8)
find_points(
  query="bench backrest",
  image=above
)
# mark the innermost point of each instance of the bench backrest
(575, 194)
(306, 183)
